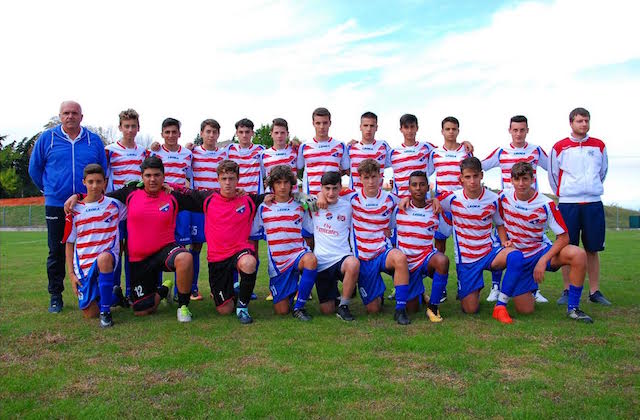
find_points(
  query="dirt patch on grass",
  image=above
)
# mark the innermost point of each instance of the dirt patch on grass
(170, 376)
(412, 367)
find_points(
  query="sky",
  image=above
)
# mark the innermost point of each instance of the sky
(482, 62)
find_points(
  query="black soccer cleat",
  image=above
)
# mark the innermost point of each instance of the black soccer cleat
(598, 297)
(344, 313)
(120, 299)
(401, 317)
(105, 320)
(577, 315)
(56, 304)
(301, 314)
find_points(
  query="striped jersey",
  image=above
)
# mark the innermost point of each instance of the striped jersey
(93, 227)
(379, 151)
(287, 156)
(472, 221)
(505, 157)
(177, 165)
(204, 165)
(414, 229)
(371, 216)
(331, 233)
(250, 161)
(526, 221)
(406, 159)
(446, 165)
(283, 225)
(318, 157)
(123, 164)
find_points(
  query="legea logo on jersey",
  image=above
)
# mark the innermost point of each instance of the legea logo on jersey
(450, 155)
(241, 209)
(164, 207)
(173, 157)
(518, 153)
(92, 209)
(473, 206)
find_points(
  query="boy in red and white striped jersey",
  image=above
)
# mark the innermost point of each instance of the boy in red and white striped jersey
(282, 152)
(526, 214)
(93, 246)
(367, 148)
(321, 155)
(249, 157)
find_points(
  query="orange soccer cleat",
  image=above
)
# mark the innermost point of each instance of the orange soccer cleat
(500, 313)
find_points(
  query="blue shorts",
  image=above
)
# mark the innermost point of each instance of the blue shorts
(197, 228)
(416, 286)
(370, 282)
(89, 291)
(470, 274)
(526, 283)
(444, 229)
(285, 284)
(122, 227)
(183, 227)
(588, 219)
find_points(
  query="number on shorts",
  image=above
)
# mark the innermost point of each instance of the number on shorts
(138, 290)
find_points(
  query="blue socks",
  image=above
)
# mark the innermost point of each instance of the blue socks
(127, 274)
(511, 277)
(402, 291)
(196, 270)
(105, 285)
(496, 277)
(307, 280)
(574, 297)
(437, 287)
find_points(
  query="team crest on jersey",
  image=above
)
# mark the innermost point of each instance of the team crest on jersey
(591, 153)
(298, 221)
(386, 213)
(336, 154)
(241, 209)
(108, 219)
(329, 216)
(164, 208)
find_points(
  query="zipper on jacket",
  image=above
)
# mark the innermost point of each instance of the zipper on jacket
(73, 166)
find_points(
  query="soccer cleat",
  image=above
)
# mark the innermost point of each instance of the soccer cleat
(598, 297)
(269, 297)
(577, 315)
(392, 295)
(168, 283)
(564, 298)
(540, 298)
(56, 304)
(253, 296)
(344, 313)
(184, 314)
(401, 317)
(243, 316)
(105, 320)
(493, 294)
(195, 295)
(301, 314)
(433, 317)
(444, 296)
(120, 299)
(501, 314)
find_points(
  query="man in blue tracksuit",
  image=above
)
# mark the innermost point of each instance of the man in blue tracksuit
(56, 166)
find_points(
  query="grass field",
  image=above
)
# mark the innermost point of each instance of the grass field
(542, 366)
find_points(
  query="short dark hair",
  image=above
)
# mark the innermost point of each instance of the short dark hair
(281, 172)
(331, 178)
(211, 123)
(152, 162)
(168, 122)
(129, 114)
(472, 163)
(245, 122)
(368, 166)
(518, 119)
(421, 174)
(320, 112)
(407, 119)
(369, 114)
(578, 111)
(452, 120)
(228, 166)
(521, 169)
(93, 168)
(280, 122)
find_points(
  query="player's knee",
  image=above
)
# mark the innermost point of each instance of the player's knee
(247, 264)
(470, 304)
(226, 308)
(309, 261)
(144, 305)
(184, 260)
(441, 263)
(91, 311)
(282, 307)
(515, 259)
(398, 259)
(375, 306)
(577, 256)
(327, 308)
(413, 305)
(351, 265)
(524, 308)
(105, 262)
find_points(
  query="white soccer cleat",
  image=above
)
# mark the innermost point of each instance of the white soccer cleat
(540, 298)
(184, 314)
(493, 295)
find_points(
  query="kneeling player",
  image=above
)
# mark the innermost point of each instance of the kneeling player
(526, 213)
(283, 223)
(331, 227)
(93, 246)
(473, 209)
(415, 227)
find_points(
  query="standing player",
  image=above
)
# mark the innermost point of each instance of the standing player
(333, 249)
(473, 209)
(577, 168)
(414, 228)
(248, 156)
(367, 148)
(92, 246)
(519, 150)
(526, 214)
(124, 158)
(283, 223)
(282, 152)
(204, 165)
(321, 155)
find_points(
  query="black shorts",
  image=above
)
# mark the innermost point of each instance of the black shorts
(222, 275)
(327, 281)
(145, 273)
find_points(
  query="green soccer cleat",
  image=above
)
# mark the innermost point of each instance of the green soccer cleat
(184, 314)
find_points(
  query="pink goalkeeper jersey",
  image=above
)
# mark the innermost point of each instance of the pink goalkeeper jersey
(506, 157)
